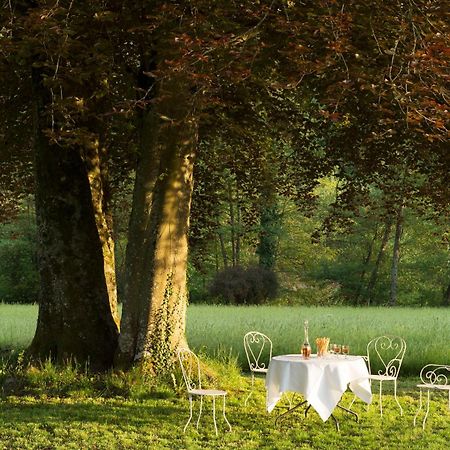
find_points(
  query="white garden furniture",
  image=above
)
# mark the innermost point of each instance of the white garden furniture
(384, 359)
(433, 377)
(258, 348)
(321, 380)
(190, 366)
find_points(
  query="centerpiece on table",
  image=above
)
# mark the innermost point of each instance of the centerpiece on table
(322, 346)
(306, 347)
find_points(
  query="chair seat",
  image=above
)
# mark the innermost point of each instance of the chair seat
(434, 386)
(213, 392)
(260, 370)
(382, 378)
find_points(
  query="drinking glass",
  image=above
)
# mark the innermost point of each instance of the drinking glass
(336, 348)
(345, 349)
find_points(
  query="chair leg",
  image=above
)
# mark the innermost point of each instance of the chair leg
(214, 413)
(420, 407)
(200, 411)
(428, 409)
(381, 404)
(224, 416)
(190, 414)
(251, 390)
(368, 404)
(396, 399)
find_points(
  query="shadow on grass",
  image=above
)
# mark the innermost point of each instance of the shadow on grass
(158, 424)
(103, 413)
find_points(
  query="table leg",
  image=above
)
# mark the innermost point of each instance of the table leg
(309, 406)
(306, 410)
(336, 422)
(349, 411)
(289, 411)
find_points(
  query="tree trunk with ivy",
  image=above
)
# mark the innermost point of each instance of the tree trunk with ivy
(153, 324)
(77, 310)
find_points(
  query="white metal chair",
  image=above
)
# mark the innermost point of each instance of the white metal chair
(384, 359)
(190, 367)
(258, 348)
(433, 376)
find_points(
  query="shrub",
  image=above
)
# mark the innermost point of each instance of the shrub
(237, 285)
(18, 262)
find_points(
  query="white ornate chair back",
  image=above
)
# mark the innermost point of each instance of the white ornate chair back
(190, 367)
(385, 355)
(435, 374)
(258, 348)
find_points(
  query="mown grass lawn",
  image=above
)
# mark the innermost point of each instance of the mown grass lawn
(157, 423)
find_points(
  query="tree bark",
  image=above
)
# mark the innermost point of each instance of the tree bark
(153, 324)
(396, 256)
(232, 225)
(94, 158)
(446, 299)
(381, 251)
(238, 233)
(365, 265)
(223, 249)
(76, 304)
(268, 235)
(216, 257)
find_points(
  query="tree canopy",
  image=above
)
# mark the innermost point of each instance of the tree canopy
(269, 95)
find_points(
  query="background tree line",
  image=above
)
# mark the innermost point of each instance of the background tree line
(346, 266)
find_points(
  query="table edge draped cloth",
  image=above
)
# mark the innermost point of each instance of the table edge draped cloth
(322, 381)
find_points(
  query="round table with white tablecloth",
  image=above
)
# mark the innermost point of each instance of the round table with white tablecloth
(321, 380)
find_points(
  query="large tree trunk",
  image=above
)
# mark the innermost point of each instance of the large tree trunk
(77, 296)
(396, 256)
(153, 323)
(94, 158)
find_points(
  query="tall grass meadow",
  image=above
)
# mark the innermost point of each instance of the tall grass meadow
(218, 330)
(17, 325)
(426, 330)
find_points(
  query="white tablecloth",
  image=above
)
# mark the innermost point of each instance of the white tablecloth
(322, 381)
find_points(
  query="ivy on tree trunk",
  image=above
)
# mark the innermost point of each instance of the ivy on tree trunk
(155, 292)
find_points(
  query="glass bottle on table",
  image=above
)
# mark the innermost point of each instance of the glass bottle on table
(306, 347)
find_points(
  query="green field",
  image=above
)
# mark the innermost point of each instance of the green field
(213, 329)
